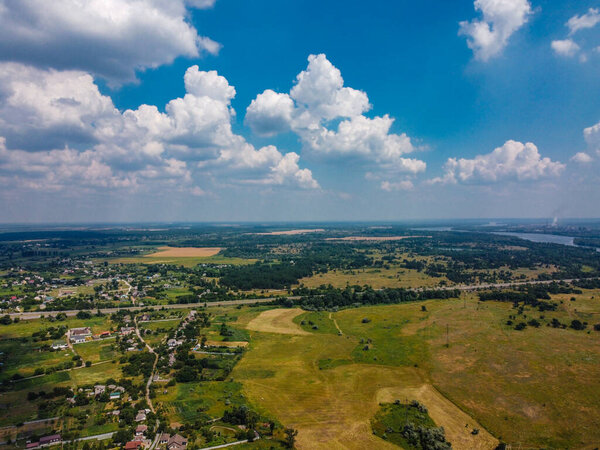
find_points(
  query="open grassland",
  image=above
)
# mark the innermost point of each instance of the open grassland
(537, 387)
(164, 324)
(187, 402)
(184, 252)
(95, 351)
(313, 383)
(160, 329)
(25, 328)
(394, 277)
(25, 358)
(318, 322)
(457, 424)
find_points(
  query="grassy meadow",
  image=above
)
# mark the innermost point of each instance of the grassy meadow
(537, 387)
(394, 277)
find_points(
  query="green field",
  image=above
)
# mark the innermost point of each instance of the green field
(321, 320)
(394, 277)
(329, 386)
(96, 351)
(25, 328)
(159, 328)
(391, 419)
(191, 401)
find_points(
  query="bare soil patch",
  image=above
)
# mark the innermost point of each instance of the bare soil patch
(184, 252)
(457, 424)
(277, 321)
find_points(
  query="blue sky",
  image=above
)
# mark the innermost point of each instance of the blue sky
(405, 110)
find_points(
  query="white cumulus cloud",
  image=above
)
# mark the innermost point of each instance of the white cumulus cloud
(405, 185)
(592, 137)
(487, 37)
(566, 47)
(109, 38)
(514, 161)
(270, 113)
(588, 20)
(582, 158)
(329, 119)
(58, 130)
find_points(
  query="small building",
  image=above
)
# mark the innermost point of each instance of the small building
(115, 395)
(172, 343)
(49, 440)
(141, 416)
(78, 335)
(99, 389)
(164, 438)
(126, 331)
(133, 445)
(59, 345)
(177, 442)
(32, 445)
(141, 430)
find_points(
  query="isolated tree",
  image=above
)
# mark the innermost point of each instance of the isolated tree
(577, 325)
(290, 437)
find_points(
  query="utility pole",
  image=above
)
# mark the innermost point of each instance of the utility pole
(447, 330)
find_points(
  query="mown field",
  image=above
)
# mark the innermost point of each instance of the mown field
(537, 387)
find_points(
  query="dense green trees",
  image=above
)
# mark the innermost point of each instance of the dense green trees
(329, 298)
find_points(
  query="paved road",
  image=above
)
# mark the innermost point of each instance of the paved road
(472, 287)
(38, 314)
(99, 437)
(256, 438)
